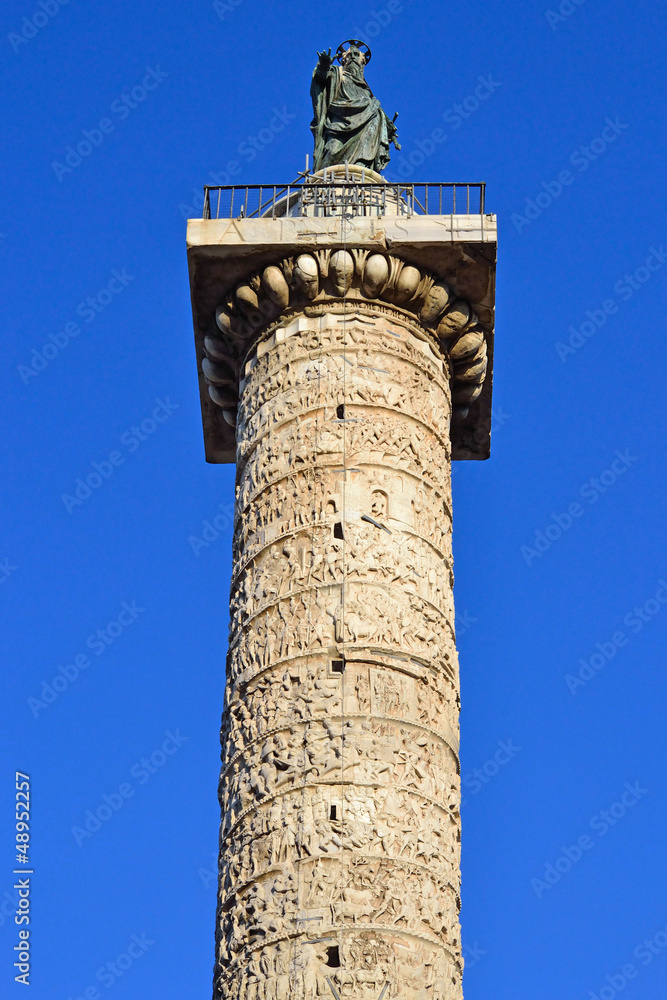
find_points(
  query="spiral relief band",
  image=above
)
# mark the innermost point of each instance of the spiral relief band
(339, 851)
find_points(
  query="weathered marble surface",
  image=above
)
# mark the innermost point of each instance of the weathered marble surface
(340, 837)
(249, 276)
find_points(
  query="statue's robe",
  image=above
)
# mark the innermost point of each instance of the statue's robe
(349, 125)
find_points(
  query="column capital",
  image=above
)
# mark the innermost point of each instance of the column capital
(250, 276)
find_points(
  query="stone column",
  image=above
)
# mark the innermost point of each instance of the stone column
(340, 784)
(340, 834)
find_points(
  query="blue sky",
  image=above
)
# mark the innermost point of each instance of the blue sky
(559, 538)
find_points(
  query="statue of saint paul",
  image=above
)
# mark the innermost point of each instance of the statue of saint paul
(349, 124)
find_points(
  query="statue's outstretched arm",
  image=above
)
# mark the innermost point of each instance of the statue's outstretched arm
(324, 63)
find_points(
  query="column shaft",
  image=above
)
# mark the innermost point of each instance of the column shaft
(340, 835)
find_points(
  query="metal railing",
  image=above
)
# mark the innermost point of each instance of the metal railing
(315, 198)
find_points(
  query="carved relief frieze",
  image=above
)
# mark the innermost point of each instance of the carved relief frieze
(352, 279)
(294, 823)
(281, 700)
(306, 500)
(392, 440)
(313, 557)
(340, 787)
(360, 751)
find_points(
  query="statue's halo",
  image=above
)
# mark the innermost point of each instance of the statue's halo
(341, 50)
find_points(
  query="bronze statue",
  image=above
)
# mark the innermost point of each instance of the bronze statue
(349, 125)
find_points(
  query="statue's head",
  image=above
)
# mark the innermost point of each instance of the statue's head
(353, 52)
(353, 55)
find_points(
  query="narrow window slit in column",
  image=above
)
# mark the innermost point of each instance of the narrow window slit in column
(333, 957)
(338, 530)
(341, 418)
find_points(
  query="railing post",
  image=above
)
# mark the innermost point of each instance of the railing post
(207, 203)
